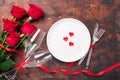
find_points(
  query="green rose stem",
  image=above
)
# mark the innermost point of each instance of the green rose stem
(4, 50)
(4, 38)
(20, 41)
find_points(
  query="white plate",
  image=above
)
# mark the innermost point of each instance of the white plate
(68, 40)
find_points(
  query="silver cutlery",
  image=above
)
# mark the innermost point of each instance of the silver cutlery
(96, 37)
(94, 32)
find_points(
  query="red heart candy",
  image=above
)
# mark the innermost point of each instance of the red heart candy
(71, 44)
(65, 38)
(71, 34)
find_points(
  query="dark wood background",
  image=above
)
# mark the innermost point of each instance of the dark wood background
(107, 50)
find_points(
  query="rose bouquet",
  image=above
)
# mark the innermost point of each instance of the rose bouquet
(17, 32)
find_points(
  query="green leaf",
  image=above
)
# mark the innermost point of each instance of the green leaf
(3, 34)
(1, 50)
(21, 23)
(19, 27)
(1, 39)
(6, 65)
(2, 58)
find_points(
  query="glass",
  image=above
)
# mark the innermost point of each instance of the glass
(33, 54)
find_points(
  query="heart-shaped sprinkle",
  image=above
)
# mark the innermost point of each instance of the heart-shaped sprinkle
(71, 34)
(65, 38)
(71, 44)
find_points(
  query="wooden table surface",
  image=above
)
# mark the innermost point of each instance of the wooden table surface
(106, 51)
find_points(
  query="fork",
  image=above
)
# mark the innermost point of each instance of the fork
(96, 37)
(94, 32)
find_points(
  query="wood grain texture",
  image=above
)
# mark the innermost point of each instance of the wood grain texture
(106, 51)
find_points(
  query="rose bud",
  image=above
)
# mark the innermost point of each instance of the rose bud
(13, 38)
(18, 12)
(35, 12)
(28, 29)
(10, 26)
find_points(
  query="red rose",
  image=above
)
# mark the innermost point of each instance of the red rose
(35, 12)
(13, 38)
(9, 25)
(18, 12)
(28, 29)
